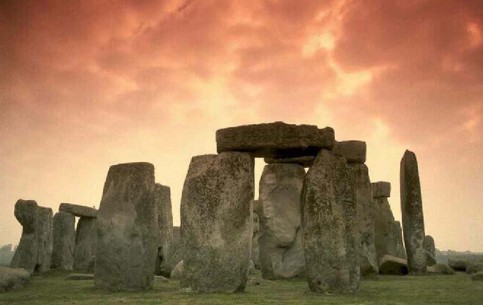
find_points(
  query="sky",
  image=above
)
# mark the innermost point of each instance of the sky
(88, 84)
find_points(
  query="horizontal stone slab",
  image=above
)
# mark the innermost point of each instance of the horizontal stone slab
(306, 161)
(78, 210)
(353, 151)
(381, 189)
(275, 140)
(393, 265)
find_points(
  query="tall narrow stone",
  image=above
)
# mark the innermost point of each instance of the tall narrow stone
(165, 224)
(215, 222)
(85, 244)
(127, 237)
(64, 241)
(280, 241)
(430, 249)
(34, 251)
(328, 220)
(412, 213)
(255, 253)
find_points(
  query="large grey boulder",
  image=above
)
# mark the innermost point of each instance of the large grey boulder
(127, 224)
(354, 151)
(165, 225)
(64, 241)
(280, 240)
(440, 269)
(215, 222)
(412, 213)
(85, 244)
(365, 219)
(328, 220)
(458, 264)
(34, 251)
(393, 265)
(78, 210)
(477, 276)
(13, 278)
(275, 140)
(429, 247)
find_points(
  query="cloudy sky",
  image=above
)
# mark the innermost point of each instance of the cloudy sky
(87, 84)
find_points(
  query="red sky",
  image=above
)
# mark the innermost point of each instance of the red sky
(88, 84)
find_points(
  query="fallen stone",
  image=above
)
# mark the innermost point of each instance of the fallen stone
(280, 240)
(393, 265)
(215, 217)
(474, 267)
(440, 269)
(63, 241)
(13, 278)
(328, 220)
(80, 277)
(477, 276)
(177, 272)
(364, 220)
(160, 278)
(412, 213)
(165, 224)
(381, 189)
(85, 244)
(353, 151)
(429, 247)
(78, 210)
(275, 140)
(306, 161)
(458, 264)
(127, 224)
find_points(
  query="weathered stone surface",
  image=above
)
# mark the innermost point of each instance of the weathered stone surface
(440, 269)
(80, 277)
(393, 265)
(78, 210)
(85, 244)
(34, 252)
(477, 276)
(328, 215)
(255, 253)
(13, 278)
(160, 278)
(165, 224)
(474, 267)
(381, 189)
(412, 213)
(275, 140)
(127, 237)
(458, 264)
(280, 241)
(428, 245)
(64, 241)
(353, 151)
(306, 161)
(400, 250)
(364, 219)
(176, 249)
(177, 271)
(215, 222)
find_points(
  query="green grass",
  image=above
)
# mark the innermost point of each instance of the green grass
(53, 289)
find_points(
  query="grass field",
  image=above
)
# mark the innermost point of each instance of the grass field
(52, 288)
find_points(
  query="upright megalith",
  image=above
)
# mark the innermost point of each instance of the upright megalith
(127, 224)
(280, 240)
(64, 241)
(328, 220)
(34, 251)
(387, 231)
(215, 222)
(165, 227)
(430, 248)
(412, 213)
(85, 244)
(255, 253)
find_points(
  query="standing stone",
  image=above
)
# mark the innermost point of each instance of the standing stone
(328, 220)
(165, 224)
(255, 256)
(34, 252)
(64, 241)
(176, 249)
(215, 222)
(429, 247)
(280, 241)
(412, 213)
(85, 244)
(387, 231)
(365, 219)
(127, 224)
